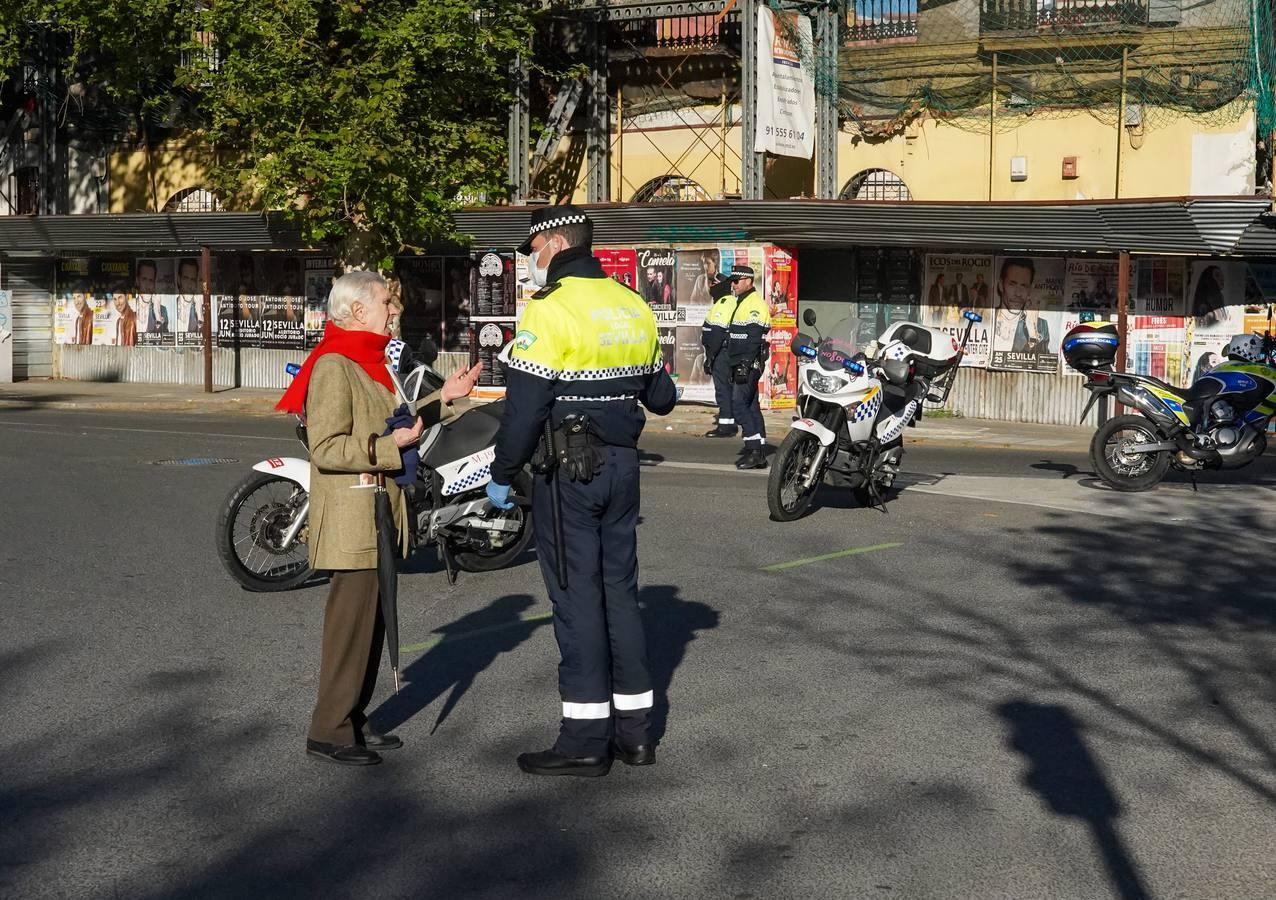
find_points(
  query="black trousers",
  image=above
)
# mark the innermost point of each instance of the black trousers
(603, 678)
(748, 413)
(724, 390)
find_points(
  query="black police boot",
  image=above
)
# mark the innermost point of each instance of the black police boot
(752, 458)
(639, 755)
(551, 762)
(721, 431)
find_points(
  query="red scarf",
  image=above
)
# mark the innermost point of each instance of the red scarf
(364, 347)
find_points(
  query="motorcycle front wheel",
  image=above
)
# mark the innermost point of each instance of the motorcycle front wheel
(250, 530)
(786, 496)
(1116, 465)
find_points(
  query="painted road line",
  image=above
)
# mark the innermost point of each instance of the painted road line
(466, 635)
(854, 551)
(700, 467)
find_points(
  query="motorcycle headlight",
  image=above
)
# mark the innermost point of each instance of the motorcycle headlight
(826, 384)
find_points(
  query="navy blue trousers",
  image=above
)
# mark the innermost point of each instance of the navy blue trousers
(724, 390)
(603, 677)
(748, 413)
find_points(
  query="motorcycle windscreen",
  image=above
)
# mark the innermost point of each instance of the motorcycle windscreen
(842, 342)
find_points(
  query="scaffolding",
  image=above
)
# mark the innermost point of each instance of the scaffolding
(653, 51)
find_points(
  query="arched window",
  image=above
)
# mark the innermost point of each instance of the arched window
(670, 189)
(193, 199)
(876, 184)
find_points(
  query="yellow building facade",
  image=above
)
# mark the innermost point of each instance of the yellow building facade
(1050, 156)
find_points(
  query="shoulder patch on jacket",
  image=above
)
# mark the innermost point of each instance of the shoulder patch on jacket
(546, 290)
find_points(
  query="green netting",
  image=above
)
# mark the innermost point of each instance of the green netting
(899, 60)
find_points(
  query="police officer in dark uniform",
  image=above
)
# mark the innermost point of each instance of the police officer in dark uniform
(747, 352)
(713, 336)
(585, 356)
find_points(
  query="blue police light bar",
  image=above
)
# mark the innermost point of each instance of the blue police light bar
(805, 350)
(852, 366)
(973, 316)
(292, 369)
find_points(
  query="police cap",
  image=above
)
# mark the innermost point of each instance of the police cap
(742, 272)
(547, 218)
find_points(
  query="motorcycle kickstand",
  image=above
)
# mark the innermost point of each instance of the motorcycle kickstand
(449, 563)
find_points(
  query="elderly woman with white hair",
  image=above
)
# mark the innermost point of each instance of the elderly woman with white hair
(346, 395)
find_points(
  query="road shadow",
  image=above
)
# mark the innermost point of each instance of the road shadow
(672, 624)
(1065, 470)
(426, 561)
(1070, 781)
(465, 648)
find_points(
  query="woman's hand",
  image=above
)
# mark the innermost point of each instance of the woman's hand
(406, 437)
(460, 383)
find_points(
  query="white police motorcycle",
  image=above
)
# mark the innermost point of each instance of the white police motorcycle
(853, 407)
(262, 526)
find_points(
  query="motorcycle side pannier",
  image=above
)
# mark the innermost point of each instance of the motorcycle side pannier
(1091, 345)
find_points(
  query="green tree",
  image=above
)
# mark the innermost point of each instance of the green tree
(370, 122)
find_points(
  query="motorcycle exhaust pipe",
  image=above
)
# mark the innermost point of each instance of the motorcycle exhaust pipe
(1188, 448)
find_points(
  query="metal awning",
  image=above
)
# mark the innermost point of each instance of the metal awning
(1196, 226)
(146, 233)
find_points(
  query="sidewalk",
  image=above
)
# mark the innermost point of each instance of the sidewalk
(693, 420)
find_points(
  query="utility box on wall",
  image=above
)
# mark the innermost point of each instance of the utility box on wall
(1018, 168)
(1069, 167)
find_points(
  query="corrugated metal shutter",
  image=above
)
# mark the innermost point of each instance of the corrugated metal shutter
(31, 281)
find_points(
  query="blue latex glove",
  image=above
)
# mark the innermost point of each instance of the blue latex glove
(499, 495)
(411, 455)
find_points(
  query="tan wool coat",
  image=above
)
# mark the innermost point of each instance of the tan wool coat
(343, 406)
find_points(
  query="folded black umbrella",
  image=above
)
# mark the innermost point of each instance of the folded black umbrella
(387, 565)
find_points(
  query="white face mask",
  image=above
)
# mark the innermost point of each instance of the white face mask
(539, 274)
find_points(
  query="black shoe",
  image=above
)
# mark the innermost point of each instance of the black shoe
(342, 754)
(751, 459)
(551, 762)
(374, 741)
(720, 432)
(639, 755)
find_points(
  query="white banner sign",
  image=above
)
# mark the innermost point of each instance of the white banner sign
(786, 93)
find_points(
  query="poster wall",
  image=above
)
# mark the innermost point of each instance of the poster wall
(1029, 318)
(656, 266)
(954, 284)
(675, 282)
(1215, 308)
(622, 265)
(494, 307)
(780, 282)
(1157, 328)
(786, 91)
(319, 272)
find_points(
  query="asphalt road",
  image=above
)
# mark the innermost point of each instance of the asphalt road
(1018, 685)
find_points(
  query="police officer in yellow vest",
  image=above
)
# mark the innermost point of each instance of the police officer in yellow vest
(747, 352)
(713, 336)
(585, 356)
